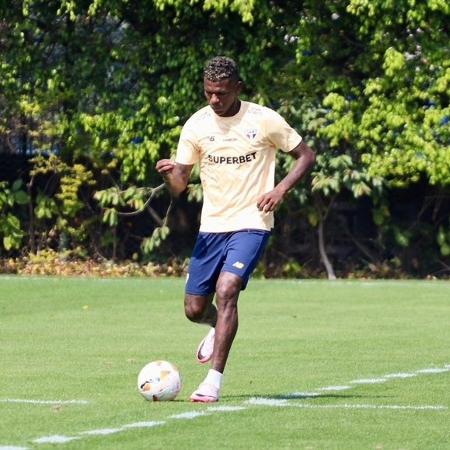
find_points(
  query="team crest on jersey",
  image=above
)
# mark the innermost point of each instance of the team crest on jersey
(251, 134)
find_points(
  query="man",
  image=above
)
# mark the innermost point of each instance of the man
(235, 144)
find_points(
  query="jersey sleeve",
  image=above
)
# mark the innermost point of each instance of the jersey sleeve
(187, 150)
(279, 132)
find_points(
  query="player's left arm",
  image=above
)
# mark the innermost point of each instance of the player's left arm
(304, 160)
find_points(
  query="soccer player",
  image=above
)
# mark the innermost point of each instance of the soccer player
(235, 143)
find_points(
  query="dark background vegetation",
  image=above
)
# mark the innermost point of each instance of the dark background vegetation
(93, 93)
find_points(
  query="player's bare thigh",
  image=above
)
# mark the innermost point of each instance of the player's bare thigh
(228, 287)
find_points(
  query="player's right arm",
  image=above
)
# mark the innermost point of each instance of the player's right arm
(175, 175)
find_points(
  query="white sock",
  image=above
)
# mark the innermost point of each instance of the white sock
(215, 378)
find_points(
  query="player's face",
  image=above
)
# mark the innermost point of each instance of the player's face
(223, 96)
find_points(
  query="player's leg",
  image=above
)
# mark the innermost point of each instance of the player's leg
(204, 269)
(227, 294)
(243, 252)
(200, 309)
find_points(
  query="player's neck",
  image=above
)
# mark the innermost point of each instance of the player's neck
(234, 109)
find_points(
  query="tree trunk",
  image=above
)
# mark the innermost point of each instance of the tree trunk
(323, 253)
(31, 236)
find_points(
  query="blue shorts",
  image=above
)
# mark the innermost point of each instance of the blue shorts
(237, 252)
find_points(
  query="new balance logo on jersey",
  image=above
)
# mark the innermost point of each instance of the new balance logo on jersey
(232, 159)
(238, 265)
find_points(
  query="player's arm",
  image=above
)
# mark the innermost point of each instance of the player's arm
(175, 175)
(305, 158)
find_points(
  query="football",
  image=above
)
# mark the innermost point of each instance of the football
(159, 381)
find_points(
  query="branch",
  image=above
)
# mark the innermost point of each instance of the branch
(145, 205)
(362, 248)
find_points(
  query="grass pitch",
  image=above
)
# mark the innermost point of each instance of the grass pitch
(315, 365)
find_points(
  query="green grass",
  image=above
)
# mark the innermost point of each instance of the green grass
(87, 339)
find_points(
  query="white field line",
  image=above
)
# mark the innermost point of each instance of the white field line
(102, 431)
(148, 424)
(189, 415)
(44, 402)
(226, 408)
(352, 406)
(335, 388)
(377, 380)
(12, 447)
(303, 395)
(276, 403)
(55, 439)
(259, 401)
(369, 381)
(271, 402)
(61, 439)
(426, 371)
(401, 375)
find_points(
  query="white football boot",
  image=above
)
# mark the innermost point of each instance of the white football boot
(206, 348)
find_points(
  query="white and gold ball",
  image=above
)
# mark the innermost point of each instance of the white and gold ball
(159, 381)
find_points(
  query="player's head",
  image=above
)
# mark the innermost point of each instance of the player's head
(221, 68)
(222, 85)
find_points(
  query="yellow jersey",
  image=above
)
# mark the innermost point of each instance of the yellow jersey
(237, 163)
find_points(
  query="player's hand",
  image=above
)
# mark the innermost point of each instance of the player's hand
(269, 202)
(165, 166)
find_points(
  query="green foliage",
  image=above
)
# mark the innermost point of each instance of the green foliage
(46, 207)
(60, 207)
(386, 88)
(133, 198)
(11, 229)
(106, 86)
(114, 202)
(443, 239)
(154, 241)
(99, 91)
(336, 173)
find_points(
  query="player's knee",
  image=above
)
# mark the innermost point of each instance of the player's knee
(194, 311)
(227, 291)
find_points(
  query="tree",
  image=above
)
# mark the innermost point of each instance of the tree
(100, 89)
(375, 75)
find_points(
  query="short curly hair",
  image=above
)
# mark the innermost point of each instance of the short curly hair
(221, 68)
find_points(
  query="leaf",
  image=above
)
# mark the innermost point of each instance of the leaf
(21, 197)
(17, 185)
(313, 217)
(401, 237)
(111, 217)
(7, 242)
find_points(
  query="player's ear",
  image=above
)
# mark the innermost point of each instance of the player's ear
(239, 86)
